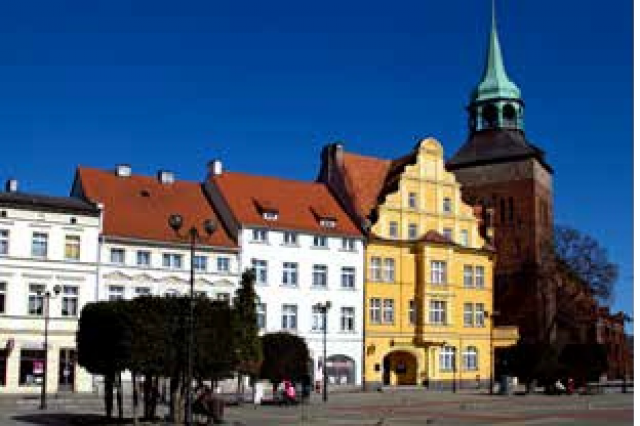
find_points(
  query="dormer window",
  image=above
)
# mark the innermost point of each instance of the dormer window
(267, 209)
(270, 215)
(328, 223)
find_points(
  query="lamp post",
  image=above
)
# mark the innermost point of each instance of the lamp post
(45, 302)
(324, 308)
(193, 234)
(491, 317)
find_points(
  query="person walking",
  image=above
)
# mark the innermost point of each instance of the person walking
(258, 393)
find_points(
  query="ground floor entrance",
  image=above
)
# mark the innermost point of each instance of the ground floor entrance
(400, 368)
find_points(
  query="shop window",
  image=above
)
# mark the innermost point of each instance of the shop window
(31, 367)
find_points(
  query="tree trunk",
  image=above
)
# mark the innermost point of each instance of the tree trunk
(154, 397)
(239, 390)
(147, 397)
(177, 401)
(135, 397)
(119, 397)
(108, 395)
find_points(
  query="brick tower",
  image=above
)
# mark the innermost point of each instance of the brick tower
(499, 168)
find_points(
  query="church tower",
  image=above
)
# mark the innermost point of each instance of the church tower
(500, 169)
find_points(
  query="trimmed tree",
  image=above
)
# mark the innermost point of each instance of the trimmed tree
(248, 348)
(285, 357)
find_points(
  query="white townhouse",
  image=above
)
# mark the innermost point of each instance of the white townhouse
(140, 253)
(48, 265)
(305, 251)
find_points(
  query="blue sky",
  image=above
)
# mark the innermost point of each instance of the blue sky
(264, 85)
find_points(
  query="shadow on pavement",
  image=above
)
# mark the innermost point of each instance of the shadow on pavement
(70, 419)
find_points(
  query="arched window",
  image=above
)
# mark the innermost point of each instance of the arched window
(509, 115)
(489, 116)
(448, 358)
(470, 358)
(341, 370)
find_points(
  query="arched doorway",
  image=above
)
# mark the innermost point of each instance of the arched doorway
(400, 369)
(341, 370)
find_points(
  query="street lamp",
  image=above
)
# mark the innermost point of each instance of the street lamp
(324, 308)
(176, 222)
(491, 317)
(47, 298)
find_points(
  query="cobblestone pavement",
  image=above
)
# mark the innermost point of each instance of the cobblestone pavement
(389, 408)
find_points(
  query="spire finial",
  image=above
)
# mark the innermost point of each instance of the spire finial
(495, 82)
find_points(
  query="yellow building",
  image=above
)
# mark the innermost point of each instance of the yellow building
(428, 285)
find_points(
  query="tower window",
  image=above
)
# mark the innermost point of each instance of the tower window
(489, 116)
(510, 209)
(509, 115)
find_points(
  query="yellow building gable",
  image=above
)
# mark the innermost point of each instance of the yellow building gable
(429, 281)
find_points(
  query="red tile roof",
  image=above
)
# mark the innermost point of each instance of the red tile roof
(298, 202)
(370, 178)
(138, 207)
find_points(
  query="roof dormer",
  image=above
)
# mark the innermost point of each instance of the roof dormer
(267, 209)
(325, 218)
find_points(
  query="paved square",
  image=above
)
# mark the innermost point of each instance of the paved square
(389, 408)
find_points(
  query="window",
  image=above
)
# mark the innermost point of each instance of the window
(69, 301)
(3, 298)
(328, 223)
(389, 270)
(348, 319)
(117, 256)
(448, 233)
(468, 315)
(388, 311)
(290, 238)
(319, 275)
(116, 292)
(289, 317)
(438, 272)
(72, 247)
(413, 231)
(224, 264)
(260, 235)
(468, 276)
(290, 274)
(320, 241)
(479, 314)
(448, 358)
(317, 319)
(479, 276)
(39, 244)
(143, 258)
(31, 367)
(438, 312)
(393, 229)
(412, 312)
(470, 358)
(375, 269)
(261, 315)
(260, 268)
(270, 215)
(36, 299)
(348, 244)
(348, 277)
(375, 311)
(142, 291)
(4, 242)
(413, 200)
(200, 294)
(446, 205)
(171, 293)
(464, 238)
(172, 260)
(200, 263)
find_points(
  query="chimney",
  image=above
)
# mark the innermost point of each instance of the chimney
(123, 170)
(214, 168)
(11, 185)
(166, 177)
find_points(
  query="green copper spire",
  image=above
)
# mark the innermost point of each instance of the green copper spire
(495, 82)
